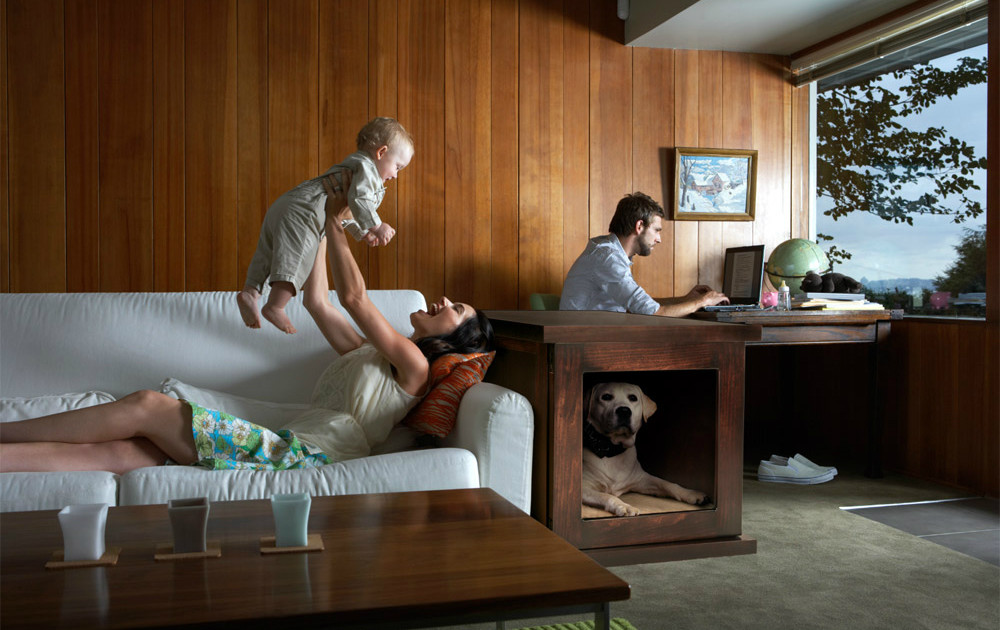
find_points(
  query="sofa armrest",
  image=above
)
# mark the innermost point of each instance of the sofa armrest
(498, 425)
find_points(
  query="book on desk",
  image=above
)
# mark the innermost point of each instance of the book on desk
(834, 302)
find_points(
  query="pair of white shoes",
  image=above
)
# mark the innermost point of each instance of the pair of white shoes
(795, 469)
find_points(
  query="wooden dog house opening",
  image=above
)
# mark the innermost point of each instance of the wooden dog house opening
(676, 443)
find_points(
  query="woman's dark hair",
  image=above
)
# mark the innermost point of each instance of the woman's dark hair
(476, 334)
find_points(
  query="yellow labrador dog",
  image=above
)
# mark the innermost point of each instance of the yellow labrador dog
(614, 412)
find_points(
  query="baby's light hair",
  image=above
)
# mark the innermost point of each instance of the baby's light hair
(382, 131)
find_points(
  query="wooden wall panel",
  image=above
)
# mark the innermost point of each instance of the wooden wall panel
(770, 119)
(344, 91)
(576, 132)
(653, 136)
(168, 146)
(292, 96)
(735, 133)
(4, 180)
(540, 150)
(934, 379)
(125, 118)
(4, 137)
(422, 189)
(531, 122)
(252, 199)
(686, 134)
(711, 137)
(83, 270)
(467, 150)
(210, 145)
(611, 116)
(504, 165)
(383, 100)
(36, 145)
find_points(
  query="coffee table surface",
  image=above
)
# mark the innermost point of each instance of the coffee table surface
(388, 559)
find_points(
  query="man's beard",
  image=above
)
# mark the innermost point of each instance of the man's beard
(644, 249)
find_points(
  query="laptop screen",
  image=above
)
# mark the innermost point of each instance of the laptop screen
(743, 271)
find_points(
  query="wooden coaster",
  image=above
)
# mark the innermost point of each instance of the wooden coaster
(314, 542)
(165, 551)
(110, 558)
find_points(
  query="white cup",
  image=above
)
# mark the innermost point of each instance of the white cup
(83, 531)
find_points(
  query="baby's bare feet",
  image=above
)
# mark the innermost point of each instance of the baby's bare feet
(276, 315)
(247, 302)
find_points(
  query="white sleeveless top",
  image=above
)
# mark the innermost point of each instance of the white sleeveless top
(355, 404)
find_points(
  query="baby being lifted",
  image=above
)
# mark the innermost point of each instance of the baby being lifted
(293, 226)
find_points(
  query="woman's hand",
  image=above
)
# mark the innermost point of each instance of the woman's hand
(336, 206)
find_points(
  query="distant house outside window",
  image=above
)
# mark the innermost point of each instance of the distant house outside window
(901, 176)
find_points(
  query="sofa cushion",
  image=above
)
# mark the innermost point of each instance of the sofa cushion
(20, 492)
(431, 469)
(12, 409)
(451, 376)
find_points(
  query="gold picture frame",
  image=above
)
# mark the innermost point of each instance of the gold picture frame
(714, 184)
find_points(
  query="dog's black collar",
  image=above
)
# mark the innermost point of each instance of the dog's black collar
(599, 444)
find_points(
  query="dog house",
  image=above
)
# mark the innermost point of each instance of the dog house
(693, 370)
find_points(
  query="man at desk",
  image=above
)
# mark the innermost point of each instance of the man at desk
(601, 279)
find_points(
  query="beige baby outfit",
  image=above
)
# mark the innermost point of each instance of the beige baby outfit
(293, 225)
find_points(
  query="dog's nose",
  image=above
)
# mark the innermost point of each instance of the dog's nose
(624, 415)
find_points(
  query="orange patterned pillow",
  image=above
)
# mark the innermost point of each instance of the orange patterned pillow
(451, 376)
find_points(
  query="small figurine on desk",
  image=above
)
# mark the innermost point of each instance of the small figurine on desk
(830, 283)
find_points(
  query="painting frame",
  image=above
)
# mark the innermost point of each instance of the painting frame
(714, 184)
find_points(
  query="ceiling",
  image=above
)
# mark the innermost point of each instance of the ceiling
(778, 27)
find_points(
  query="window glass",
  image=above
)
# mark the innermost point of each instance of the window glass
(901, 176)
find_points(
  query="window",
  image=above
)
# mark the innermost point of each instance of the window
(901, 174)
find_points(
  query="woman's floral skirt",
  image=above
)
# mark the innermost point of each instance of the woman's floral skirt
(225, 442)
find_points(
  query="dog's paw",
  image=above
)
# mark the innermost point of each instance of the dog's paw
(620, 508)
(694, 497)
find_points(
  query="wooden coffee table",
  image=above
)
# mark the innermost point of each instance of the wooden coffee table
(402, 560)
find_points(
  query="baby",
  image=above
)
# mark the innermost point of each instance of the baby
(293, 225)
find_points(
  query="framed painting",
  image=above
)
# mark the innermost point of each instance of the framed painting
(714, 184)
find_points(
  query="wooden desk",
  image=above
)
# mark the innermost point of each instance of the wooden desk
(694, 370)
(402, 560)
(810, 327)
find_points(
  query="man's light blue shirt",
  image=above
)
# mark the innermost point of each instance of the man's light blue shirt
(601, 279)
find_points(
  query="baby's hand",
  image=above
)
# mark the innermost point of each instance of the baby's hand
(383, 233)
(370, 239)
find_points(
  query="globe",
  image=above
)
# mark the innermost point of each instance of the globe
(791, 260)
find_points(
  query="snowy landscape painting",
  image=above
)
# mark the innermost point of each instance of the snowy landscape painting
(714, 184)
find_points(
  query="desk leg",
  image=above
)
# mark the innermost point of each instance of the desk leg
(874, 461)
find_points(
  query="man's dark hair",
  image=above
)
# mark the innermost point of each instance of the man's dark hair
(476, 334)
(633, 208)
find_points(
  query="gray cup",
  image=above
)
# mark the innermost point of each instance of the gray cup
(189, 520)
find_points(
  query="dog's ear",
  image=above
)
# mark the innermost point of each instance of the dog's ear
(649, 406)
(588, 394)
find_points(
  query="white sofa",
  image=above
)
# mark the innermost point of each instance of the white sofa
(63, 350)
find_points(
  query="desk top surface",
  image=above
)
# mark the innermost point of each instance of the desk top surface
(795, 317)
(604, 326)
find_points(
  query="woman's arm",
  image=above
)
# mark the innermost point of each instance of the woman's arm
(335, 327)
(410, 363)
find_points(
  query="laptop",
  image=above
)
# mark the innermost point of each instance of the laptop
(743, 273)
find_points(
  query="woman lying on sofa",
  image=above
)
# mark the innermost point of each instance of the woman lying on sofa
(359, 398)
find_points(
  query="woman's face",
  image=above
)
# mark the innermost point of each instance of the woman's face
(441, 318)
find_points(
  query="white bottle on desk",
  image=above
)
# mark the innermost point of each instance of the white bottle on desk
(785, 300)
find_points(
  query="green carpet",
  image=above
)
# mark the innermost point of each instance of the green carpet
(614, 624)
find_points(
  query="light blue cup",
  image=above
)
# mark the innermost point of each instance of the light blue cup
(291, 513)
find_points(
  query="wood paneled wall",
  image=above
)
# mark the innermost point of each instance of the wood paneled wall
(938, 390)
(142, 140)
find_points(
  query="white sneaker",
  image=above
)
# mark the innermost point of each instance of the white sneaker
(792, 472)
(778, 459)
